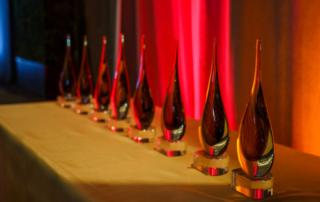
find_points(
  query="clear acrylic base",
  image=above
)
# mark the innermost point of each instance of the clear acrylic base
(83, 108)
(66, 103)
(252, 187)
(100, 116)
(144, 135)
(172, 148)
(116, 125)
(211, 165)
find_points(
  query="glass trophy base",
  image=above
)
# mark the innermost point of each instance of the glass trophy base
(172, 148)
(83, 108)
(143, 135)
(211, 165)
(66, 103)
(116, 125)
(252, 187)
(100, 116)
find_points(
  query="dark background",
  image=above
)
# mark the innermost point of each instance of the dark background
(39, 28)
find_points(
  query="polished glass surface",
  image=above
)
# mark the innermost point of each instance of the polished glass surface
(255, 139)
(84, 87)
(252, 187)
(102, 91)
(173, 120)
(67, 80)
(214, 133)
(143, 105)
(211, 165)
(120, 95)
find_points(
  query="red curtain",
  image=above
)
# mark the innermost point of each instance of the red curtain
(194, 23)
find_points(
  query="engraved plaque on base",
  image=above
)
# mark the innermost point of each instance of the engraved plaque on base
(142, 135)
(100, 115)
(252, 187)
(172, 147)
(211, 165)
(83, 108)
(118, 125)
(69, 103)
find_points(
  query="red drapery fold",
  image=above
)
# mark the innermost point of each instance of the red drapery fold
(194, 23)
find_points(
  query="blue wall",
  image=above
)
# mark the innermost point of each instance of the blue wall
(5, 60)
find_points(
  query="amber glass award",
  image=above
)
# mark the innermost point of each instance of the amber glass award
(255, 144)
(84, 85)
(143, 106)
(214, 129)
(173, 120)
(67, 80)
(120, 94)
(102, 90)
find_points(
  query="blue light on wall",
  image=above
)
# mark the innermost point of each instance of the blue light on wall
(5, 62)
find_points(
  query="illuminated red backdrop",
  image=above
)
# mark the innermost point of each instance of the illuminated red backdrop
(194, 23)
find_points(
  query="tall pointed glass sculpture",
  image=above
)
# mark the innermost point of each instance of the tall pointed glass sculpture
(67, 80)
(120, 94)
(84, 85)
(173, 120)
(102, 91)
(143, 105)
(214, 129)
(255, 144)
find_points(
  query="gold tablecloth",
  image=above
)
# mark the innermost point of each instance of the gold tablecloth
(48, 153)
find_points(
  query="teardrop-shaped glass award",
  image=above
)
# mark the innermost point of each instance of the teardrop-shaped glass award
(120, 95)
(255, 144)
(102, 90)
(67, 80)
(84, 86)
(255, 139)
(214, 131)
(143, 105)
(173, 120)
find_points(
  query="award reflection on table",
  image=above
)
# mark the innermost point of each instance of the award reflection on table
(84, 85)
(120, 94)
(255, 144)
(214, 129)
(102, 91)
(67, 80)
(143, 106)
(173, 120)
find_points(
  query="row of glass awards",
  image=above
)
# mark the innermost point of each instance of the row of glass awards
(255, 145)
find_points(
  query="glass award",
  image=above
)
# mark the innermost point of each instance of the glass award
(84, 85)
(67, 80)
(173, 120)
(255, 144)
(143, 106)
(214, 129)
(102, 91)
(120, 94)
